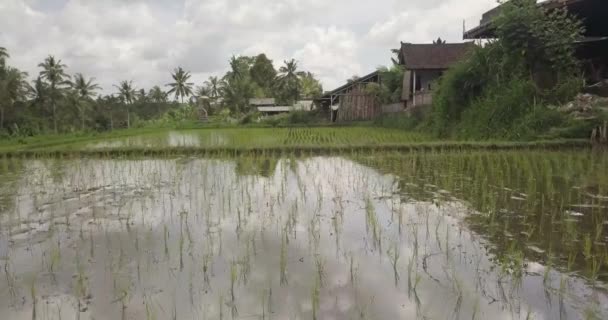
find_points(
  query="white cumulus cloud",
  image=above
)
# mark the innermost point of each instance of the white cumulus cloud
(144, 40)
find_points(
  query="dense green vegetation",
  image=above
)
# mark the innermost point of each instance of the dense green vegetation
(56, 102)
(391, 87)
(507, 88)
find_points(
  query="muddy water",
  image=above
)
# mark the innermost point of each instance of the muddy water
(316, 238)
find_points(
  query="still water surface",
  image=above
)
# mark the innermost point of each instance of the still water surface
(509, 235)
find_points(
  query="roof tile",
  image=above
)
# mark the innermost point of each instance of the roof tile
(433, 56)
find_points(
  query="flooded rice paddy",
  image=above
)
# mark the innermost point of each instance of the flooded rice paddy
(476, 235)
(262, 137)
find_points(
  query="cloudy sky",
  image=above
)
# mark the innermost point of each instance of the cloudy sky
(144, 40)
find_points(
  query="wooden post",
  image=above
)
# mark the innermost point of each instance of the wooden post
(407, 86)
(414, 89)
(331, 109)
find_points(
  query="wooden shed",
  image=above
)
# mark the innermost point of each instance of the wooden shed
(350, 102)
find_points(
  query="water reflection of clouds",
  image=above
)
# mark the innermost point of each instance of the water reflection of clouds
(123, 212)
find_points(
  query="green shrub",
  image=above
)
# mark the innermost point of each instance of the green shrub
(301, 117)
(250, 118)
(402, 120)
(502, 89)
(276, 120)
(537, 122)
(494, 113)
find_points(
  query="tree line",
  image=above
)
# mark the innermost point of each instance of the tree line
(56, 101)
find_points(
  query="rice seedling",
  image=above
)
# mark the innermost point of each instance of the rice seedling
(529, 315)
(353, 269)
(150, 313)
(166, 237)
(81, 288)
(588, 247)
(320, 267)
(34, 297)
(596, 265)
(363, 308)
(475, 309)
(372, 224)
(270, 302)
(221, 307)
(233, 279)
(393, 254)
(411, 276)
(283, 260)
(10, 280)
(315, 297)
(55, 258)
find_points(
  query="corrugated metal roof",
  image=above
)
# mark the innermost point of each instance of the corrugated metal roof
(275, 109)
(297, 107)
(262, 102)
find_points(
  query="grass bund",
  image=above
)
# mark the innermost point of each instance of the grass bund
(256, 141)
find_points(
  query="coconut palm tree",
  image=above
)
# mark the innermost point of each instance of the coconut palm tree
(236, 93)
(289, 79)
(53, 71)
(213, 86)
(85, 88)
(108, 104)
(141, 96)
(310, 87)
(157, 95)
(13, 87)
(181, 87)
(202, 92)
(85, 91)
(235, 72)
(3, 56)
(127, 94)
(38, 91)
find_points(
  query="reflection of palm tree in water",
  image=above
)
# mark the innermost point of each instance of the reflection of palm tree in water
(265, 167)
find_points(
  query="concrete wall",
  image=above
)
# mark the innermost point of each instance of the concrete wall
(423, 98)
